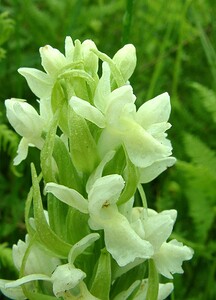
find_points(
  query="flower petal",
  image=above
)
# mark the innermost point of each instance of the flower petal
(69, 49)
(80, 246)
(87, 111)
(22, 151)
(169, 258)
(105, 192)
(103, 88)
(66, 277)
(119, 235)
(142, 148)
(117, 101)
(25, 279)
(68, 196)
(151, 172)
(156, 110)
(159, 227)
(39, 82)
(11, 293)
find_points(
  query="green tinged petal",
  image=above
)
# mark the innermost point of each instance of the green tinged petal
(151, 172)
(156, 110)
(87, 111)
(39, 82)
(69, 196)
(103, 89)
(81, 246)
(143, 150)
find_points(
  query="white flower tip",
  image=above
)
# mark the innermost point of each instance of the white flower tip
(45, 48)
(173, 214)
(68, 40)
(89, 44)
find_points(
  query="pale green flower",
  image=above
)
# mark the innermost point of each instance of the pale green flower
(141, 132)
(27, 123)
(104, 214)
(169, 258)
(156, 228)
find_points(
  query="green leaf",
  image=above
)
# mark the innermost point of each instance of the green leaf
(69, 178)
(82, 145)
(47, 151)
(100, 287)
(45, 234)
(76, 224)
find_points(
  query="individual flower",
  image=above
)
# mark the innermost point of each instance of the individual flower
(156, 228)
(27, 123)
(141, 132)
(104, 214)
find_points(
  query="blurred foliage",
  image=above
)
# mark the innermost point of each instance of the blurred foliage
(175, 42)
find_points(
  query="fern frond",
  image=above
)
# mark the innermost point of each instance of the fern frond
(6, 28)
(8, 140)
(208, 98)
(200, 154)
(199, 188)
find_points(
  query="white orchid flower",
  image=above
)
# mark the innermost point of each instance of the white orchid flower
(27, 123)
(156, 228)
(141, 132)
(104, 214)
(118, 233)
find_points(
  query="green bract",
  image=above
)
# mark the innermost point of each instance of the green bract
(96, 149)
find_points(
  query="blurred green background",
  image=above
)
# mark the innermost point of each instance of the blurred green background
(175, 42)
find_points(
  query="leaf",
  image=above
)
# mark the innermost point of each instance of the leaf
(102, 279)
(46, 236)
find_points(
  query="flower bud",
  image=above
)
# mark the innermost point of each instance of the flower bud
(125, 60)
(24, 118)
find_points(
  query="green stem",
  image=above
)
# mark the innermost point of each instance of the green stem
(153, 282)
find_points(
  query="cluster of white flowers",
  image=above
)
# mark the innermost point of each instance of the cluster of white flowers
(96, 149)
